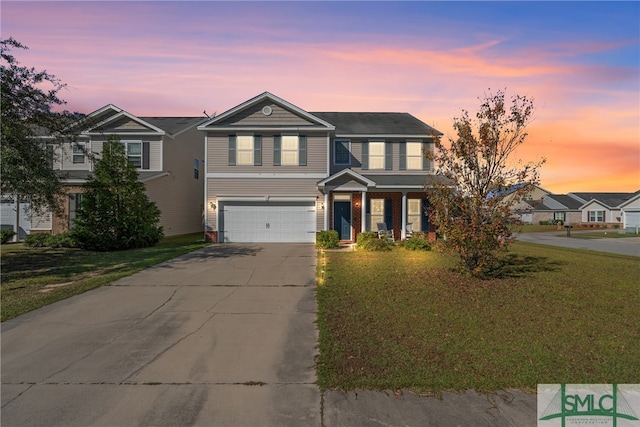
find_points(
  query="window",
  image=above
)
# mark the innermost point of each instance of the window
(196, 168)
(78, 153)
(244, 149)
(134, 153)
(342, 152)
(596, 216)
(559, 216)
(289, 150)
(414, 156)
(376, 155)
(377, 213)
(75, 201)
(415, 213)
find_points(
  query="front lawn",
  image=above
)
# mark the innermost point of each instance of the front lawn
(34, 277)
(402, 319)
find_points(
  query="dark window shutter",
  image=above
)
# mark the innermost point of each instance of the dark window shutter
(426, 163)
(302, 150)
(365, 155)
(145, 155)
(403, 156)
(277, 141)
(424, 226)
(388, 156)
(388, 213)
(232, 150)
(257, 150)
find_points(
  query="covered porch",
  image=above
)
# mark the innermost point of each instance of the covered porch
(356, 203)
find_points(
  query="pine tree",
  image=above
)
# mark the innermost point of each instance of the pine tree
(115, 212)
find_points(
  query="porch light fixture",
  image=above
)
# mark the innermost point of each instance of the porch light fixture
(321, 205)
(212, 205)
(357, 204)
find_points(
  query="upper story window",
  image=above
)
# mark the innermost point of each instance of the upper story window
(414, 155)
(376, 155)
(342, 152)
(289, 150)
(245, 150)
(78, 156)
(134, 152)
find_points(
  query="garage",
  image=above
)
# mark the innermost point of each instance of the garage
(631, 219)
(267, 222)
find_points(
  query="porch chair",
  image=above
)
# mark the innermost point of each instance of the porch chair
(384, 233)
(408, 231)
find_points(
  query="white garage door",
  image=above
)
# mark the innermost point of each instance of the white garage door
(632, 219)
(268, 222)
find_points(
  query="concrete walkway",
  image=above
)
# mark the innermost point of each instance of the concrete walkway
(622, 246)
(224, 336)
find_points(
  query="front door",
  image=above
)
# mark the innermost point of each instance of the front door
(342, 219)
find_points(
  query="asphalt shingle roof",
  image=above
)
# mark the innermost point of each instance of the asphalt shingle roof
(173, 125)
(609, 199)
(376, 123)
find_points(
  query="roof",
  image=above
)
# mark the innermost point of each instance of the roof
(405, 180)
(172, 125)
(376, 124)
(568, 201)
(609, 199)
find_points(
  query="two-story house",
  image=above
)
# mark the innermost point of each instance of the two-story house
(277, 173)
(168, 153)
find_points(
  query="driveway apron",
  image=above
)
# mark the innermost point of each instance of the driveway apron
(223, 336)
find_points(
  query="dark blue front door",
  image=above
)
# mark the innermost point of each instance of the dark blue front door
(342, 219)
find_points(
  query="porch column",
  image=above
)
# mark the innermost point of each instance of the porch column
(363, 212)
(326, 210)
(403, 232)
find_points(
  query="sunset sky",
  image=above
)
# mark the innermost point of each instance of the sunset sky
(579, 61)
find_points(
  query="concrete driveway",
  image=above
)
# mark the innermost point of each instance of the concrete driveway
(223, 336)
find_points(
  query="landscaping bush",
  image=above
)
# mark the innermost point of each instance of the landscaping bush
(369, 241)
(327, 239)
(6, 235)
(42, 240)
(543, 222)
(37, 240)
(417, 242)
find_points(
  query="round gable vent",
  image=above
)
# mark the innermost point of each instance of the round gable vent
(266, 110)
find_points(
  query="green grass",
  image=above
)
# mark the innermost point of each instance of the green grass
(405, 319)
(34, 277)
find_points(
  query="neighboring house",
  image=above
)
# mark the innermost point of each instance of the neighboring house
(277, 173)
(557, 207)
(602, 208)
(523, 210)
(15, 215)
(631, 212)
(168, 153)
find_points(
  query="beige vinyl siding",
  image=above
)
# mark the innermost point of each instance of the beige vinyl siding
(179, 196)
(41, 221)
(254, 117)
(253, 187)
(356, 160)
(125, 124)
(218, 155)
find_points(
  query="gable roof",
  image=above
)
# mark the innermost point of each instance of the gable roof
(265, 96)
(610, 200)
(382, 124)
(568, 201)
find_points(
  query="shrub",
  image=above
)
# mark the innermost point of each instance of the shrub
(6, 234)
(37, 240)
(369, 241)
(543, 222)
(62, 240)
(417, 243)
(327, 239)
